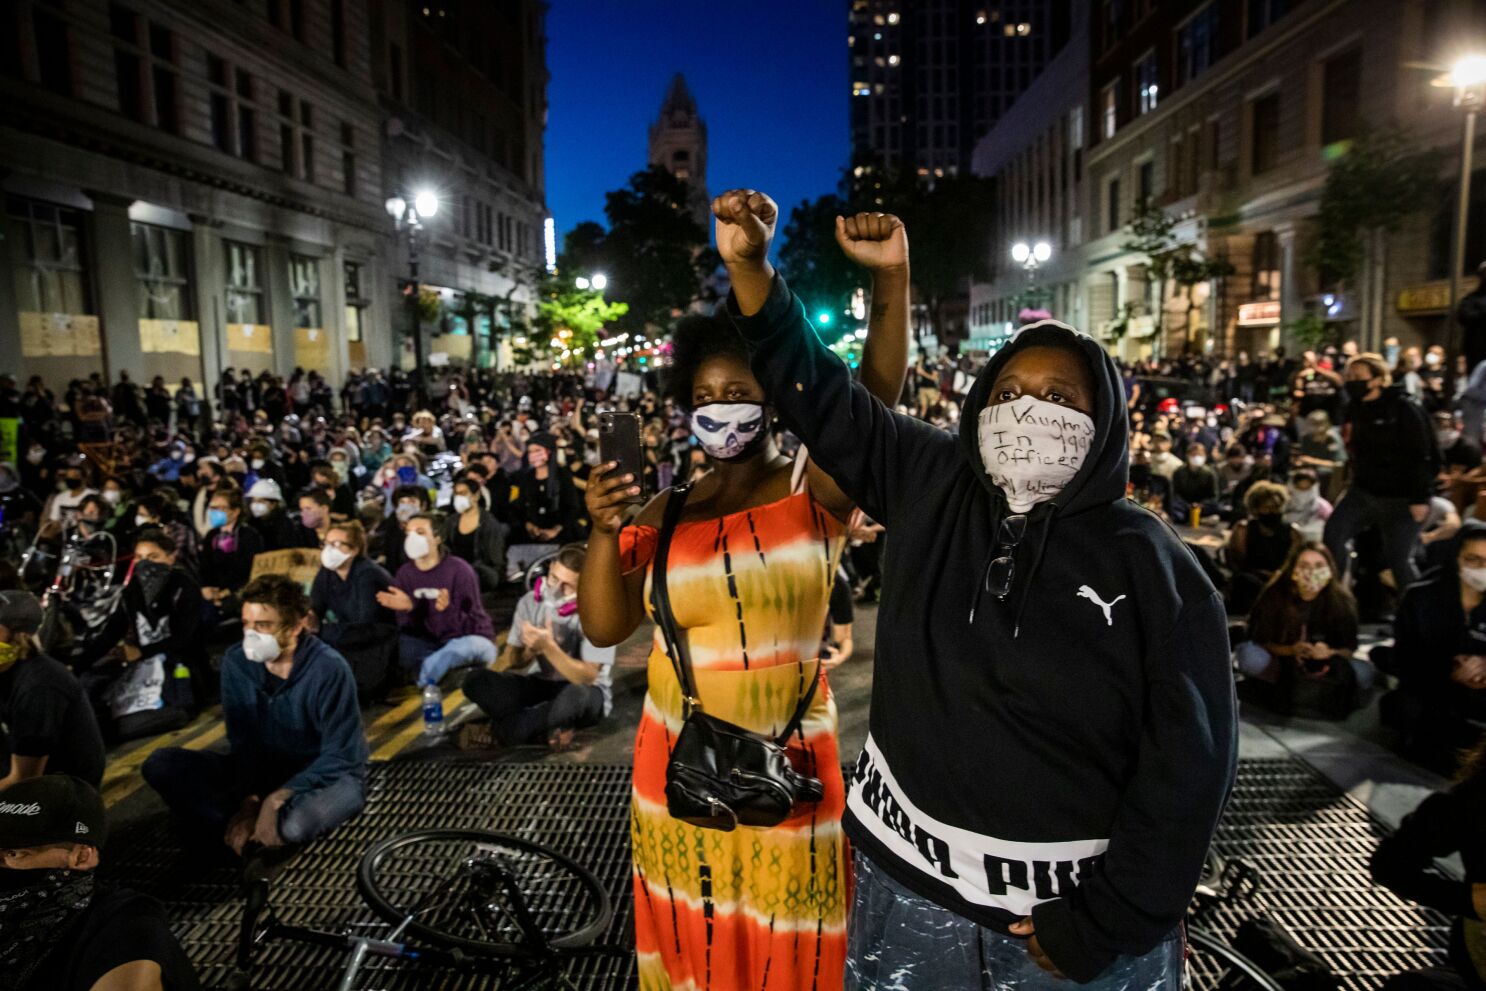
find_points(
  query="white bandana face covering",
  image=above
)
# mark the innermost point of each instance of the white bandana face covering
(726, 429)
(1032, 448)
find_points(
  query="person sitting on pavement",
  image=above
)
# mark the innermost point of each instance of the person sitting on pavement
(1439, 657)
(1321, 448)
(1302, 634)
(550, 680)
(160, 511)
(48, 725)
(344, 601)
(388, 537)
(1194, 486)
(61, 929)
(436, 597)
(332, 477)
(269, 517)
(544, 507)
(1305, 509)
(142, 667)
(227, 553)
(72, 489)
(296, 760)
(474, 535)
(1444, 824)
(261, 465)
(1163, 462)
(312, 521)
(1259, 544)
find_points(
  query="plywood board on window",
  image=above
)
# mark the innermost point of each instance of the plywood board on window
(58, 335)
(170, 337)
(256, 337)
(311, 348)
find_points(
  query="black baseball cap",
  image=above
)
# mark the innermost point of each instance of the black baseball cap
(54, 808)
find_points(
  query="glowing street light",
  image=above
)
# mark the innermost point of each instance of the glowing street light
(581, 282)
(599, 281)
(823, 318)
(425, 202)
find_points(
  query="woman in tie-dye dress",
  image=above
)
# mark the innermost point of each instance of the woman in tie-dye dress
(749, 574)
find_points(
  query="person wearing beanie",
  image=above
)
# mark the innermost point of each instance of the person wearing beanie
(60, 930)
(49, 725)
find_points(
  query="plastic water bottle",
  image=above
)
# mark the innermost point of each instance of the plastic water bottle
(433, 711)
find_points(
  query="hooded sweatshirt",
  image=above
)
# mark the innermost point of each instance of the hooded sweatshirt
(1064, 752)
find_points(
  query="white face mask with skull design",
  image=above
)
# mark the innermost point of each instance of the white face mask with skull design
(728, 431)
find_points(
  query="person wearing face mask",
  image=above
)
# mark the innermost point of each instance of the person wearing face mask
(1394, 463)
(1304, 508)
(262, 465)
(296, 760)
(115, 498)
(71, 491)
(387, 540)
(312, 520)
(550, 680)
(1461, 475)
(1439, 657)
(267, 515)
(227, 553)
(473, 535)
(544, 508)
(333, 476)
(1321, 449)
(343, 599)
(46, 723)
(1194, 486)
(436, 597)
(1259, 544)
(403, 470)
(1302, 631)
(208, 474)
(161, 510)
(1028, 646)
(144, 666)
(60, 928)
(750, 568)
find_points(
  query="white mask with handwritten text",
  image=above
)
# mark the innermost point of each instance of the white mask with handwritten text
(1032, 448)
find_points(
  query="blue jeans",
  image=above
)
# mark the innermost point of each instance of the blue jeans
(898, 941)
(1256, 662)
(432, 661)
(204, 790)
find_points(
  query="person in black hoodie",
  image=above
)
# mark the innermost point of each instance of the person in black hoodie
(1053, 731)
(1445, 823)
(1394, 464)
(544, 507)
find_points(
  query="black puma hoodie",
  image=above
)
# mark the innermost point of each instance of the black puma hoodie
(1063, 752)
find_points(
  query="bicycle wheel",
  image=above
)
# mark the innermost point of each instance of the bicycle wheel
(459, 881)
(1216, 966)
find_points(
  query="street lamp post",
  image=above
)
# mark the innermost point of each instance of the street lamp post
(596, 281)
(1468, 78)
(410, 216)
(1030, 258)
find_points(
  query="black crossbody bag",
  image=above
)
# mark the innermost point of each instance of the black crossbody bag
(720, 775)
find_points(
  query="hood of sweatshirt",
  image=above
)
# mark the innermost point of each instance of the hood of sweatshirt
(1102, 477)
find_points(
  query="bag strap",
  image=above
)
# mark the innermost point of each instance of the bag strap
(660, 604)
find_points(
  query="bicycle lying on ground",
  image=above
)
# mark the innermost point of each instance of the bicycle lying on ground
(462, 899)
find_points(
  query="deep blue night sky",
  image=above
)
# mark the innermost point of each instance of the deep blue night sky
(769, 76)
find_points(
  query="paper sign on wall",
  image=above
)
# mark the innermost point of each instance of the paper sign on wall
(170, 337)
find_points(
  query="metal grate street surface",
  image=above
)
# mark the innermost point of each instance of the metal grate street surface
(1309, 844)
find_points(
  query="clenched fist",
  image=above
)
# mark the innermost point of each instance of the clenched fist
(745, 225)
(875, 241)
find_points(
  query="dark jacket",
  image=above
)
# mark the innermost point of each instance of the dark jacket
(1392, 449)
(1196, 485)
(1064, 752)
(302, 733)
(490, 543)
(278, 531)
(350, 602)
(546, 503)
(1442, 825)
(227, 558)
(167, 624)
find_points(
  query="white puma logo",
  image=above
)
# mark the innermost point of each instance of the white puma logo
(1085, 592)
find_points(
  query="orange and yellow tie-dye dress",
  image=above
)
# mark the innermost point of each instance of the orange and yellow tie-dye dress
(753, 909)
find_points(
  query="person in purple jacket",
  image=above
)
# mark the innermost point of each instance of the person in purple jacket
(436, 597)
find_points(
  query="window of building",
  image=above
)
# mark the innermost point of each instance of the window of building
(1112, 205)
(348, 159)
(245, 284)
(304, 286)
(124, 25)
(163, 74)
(1263, 13)
(1112, 22)
(1266, 283)
(287, 15)
(394, 69)
(1194, 159)
(1146, 188)
(1341, 96)
(1194, 44)
(46, 257)
(1109, 114)
(1146, 89)
(1076, 127)
(338, 31)
(307, 140)
(162, 272)
(356, 303)
(296, 137)
(145, 72)
(53, 50)
(1265, 118)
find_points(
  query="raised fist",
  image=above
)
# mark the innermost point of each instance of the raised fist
(745, 225)
(874, 241)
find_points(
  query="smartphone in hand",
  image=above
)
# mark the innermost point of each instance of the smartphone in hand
(619, 442)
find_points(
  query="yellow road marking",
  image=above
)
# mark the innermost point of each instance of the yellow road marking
(410, 732)
(123, 779)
